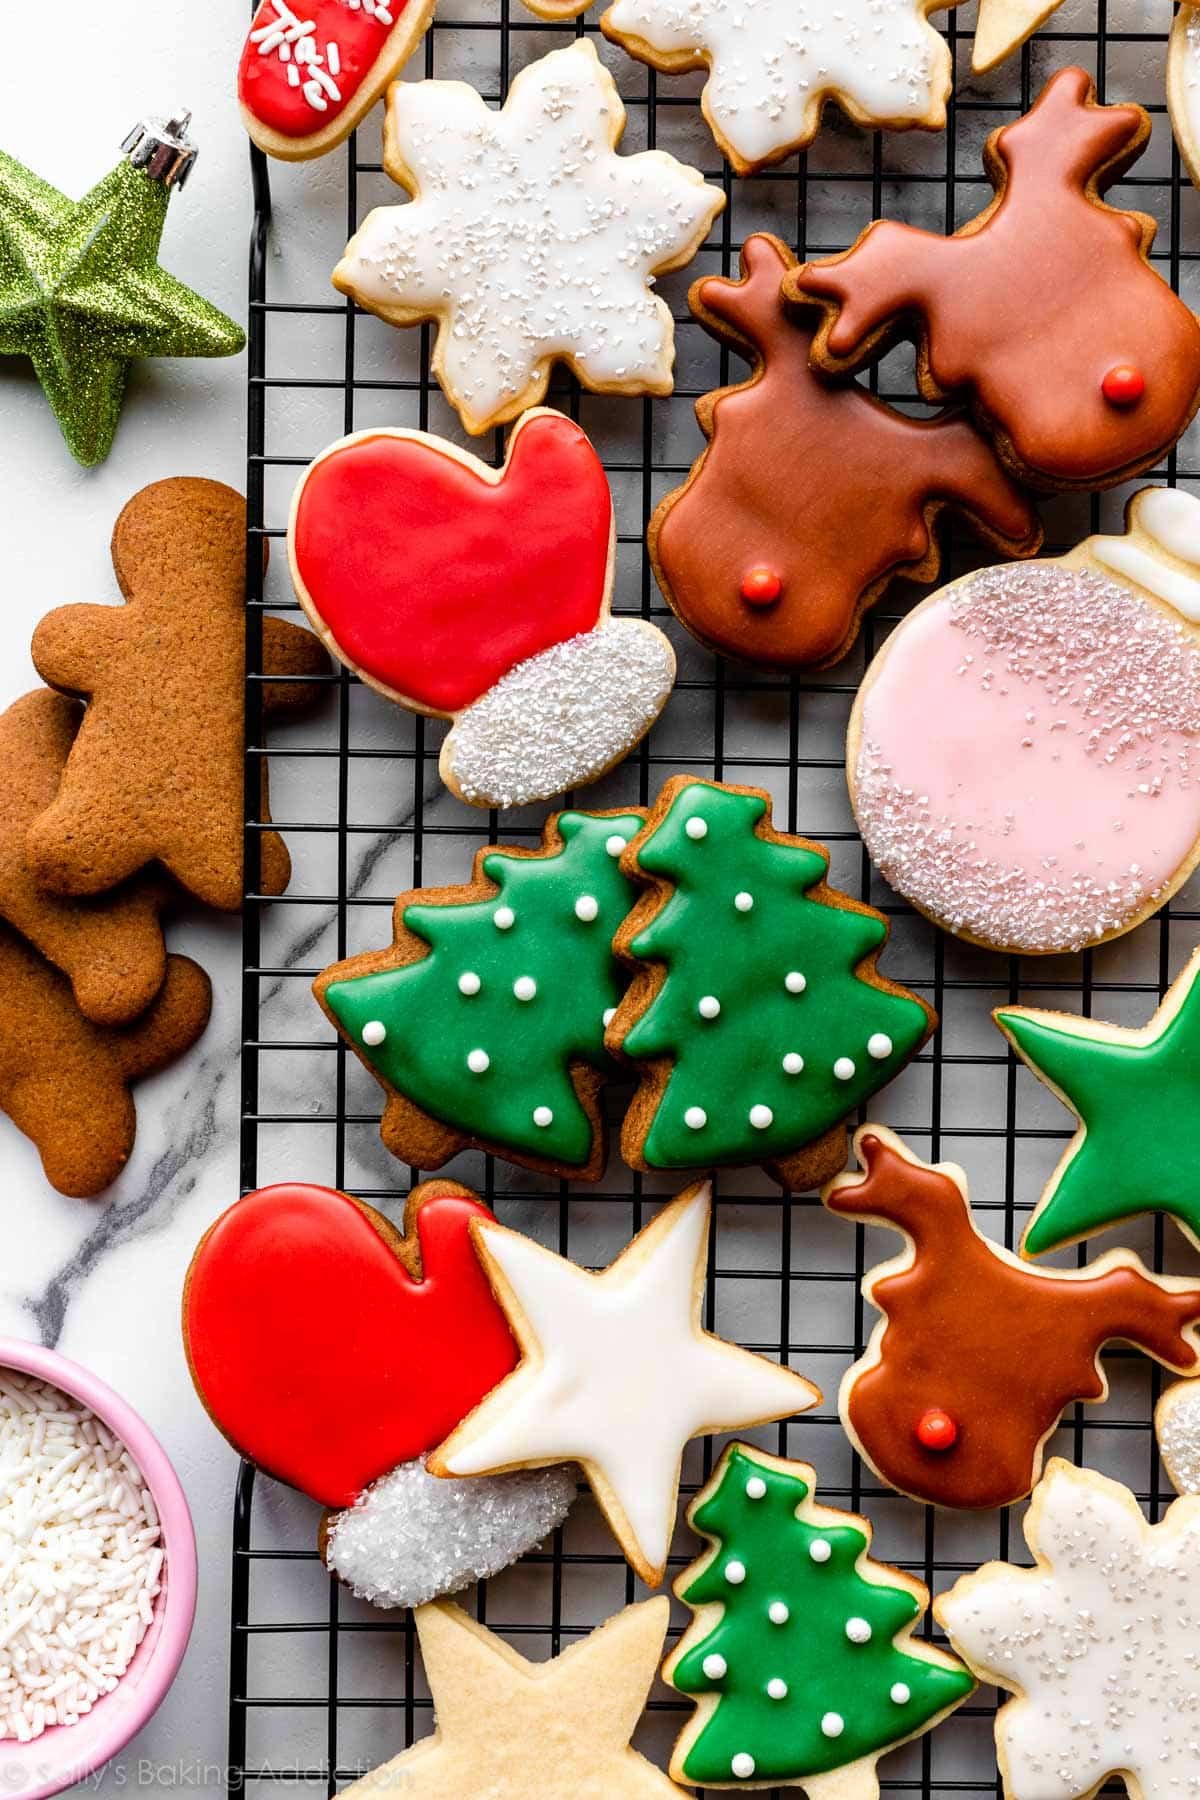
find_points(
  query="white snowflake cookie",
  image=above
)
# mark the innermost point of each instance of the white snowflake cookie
(528, 238)
(774, 63)
(1098, 1642)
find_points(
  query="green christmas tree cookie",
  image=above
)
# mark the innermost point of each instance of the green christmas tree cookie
(485, 1020)
(800, 1657)
(756, 1012)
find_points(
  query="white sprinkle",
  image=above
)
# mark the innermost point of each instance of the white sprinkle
(832, 1725)
(793, 1063)
(525, 987)
(542, 1116)
(469, 982)
(795, 982)
(761, 1117)
(504, 918)
(587, 908)
(820, 1550)
(715, 1667)
(333, 58)
(696, 828)
(374, 1032)
(615, 844)
(695, 1118)
(744, 902)
(478, 1061)
(843, 1068)
(901, 1693)
(777, 1689)
(756, 1488)
(735, 1572)
(709, 1007)
(858, 1631)
(743, 1765)
(610, 1013)
(779, 1612)
(879, 1045)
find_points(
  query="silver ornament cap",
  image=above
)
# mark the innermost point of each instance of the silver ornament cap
(162, 149)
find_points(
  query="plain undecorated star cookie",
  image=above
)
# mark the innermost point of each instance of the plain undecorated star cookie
(977, 1354)
(509, 1729)
(801, 1655)
(528, 238)
(618, 1373)
(1134, 1092)
(1097, 1642)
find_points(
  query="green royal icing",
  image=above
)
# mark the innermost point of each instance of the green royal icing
(879, 1694)
(1140, 1150)
(850, 1038)
(524, 1098)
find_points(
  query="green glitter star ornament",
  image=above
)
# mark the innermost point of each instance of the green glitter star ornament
(1135, 1094)
(81, 292)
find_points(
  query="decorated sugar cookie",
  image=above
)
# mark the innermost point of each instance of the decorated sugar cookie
(1109, 378)
(978, 1354)
(482, 595)
(334, 1353)
(1097, 1642)
(312, 69)
(529, 239)
(812, 495)
(1177, 1428)
(800, 1655)
(771, 72)
(1183, 85)
(618, 1373)
(1133, 1092)
(1024, 750)
(757, 1018)
(509, 1729)
(484, 1021)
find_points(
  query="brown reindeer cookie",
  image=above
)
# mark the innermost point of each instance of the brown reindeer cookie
(65, 1082)
(156, 774)
(1044, 310)
(812, 495)
(111, 947)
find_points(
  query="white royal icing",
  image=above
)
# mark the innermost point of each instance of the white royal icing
(770, 59)
(1177, 1420)
(625, 1377)
(1172, 519)
(530, 236)
(562, 717)
(1101, 1644)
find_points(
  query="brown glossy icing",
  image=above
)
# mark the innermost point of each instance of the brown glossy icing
(1000, 1346)
(814, 481)
(1031, 304)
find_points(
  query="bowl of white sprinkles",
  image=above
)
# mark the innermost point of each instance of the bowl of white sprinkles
(97, 1572)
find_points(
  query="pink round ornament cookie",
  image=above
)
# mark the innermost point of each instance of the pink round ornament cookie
(1024, 754)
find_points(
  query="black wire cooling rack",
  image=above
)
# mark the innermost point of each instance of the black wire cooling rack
(321, 1686)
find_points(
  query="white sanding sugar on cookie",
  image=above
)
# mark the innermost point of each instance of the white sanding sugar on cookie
(80, 1558)
(412, 1537)
(528, 236)
(561, 718)
(1100, 1640)
(771, 62)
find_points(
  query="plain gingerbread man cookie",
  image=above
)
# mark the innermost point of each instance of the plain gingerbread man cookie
(156, 774)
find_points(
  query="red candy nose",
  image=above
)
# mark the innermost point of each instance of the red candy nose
(936, 1430)
(761, 585)
(1124, 385)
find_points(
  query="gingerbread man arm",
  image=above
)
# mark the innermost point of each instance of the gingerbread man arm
(74, 647)
(171, 1025)
(290, 651)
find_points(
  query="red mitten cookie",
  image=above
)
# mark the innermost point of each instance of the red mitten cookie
(111, 947)
(1045, 310)
(156, 774)
(812, 495)
(977, 1353)
(65, 1082)
(334, 1352)
(482, 595)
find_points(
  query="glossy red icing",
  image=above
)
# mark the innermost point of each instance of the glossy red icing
(435, 582)
(263, 82)
(1124, 385)
(318, 1354)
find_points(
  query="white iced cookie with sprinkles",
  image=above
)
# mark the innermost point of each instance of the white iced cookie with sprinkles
(1024, 751)
(81, 1559)
(1097, 1642)
(1177, 1428)
(528, 238)
(773, 65)
(1183, 86)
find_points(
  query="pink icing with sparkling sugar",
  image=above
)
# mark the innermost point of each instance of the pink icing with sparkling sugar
(1028, 756)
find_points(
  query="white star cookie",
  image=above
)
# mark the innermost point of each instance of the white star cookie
(1099, 1643)
(528, 238)
(773, 63)
(617, 1373)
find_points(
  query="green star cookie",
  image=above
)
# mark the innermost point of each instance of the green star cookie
(1135, 1093)
(82, 295)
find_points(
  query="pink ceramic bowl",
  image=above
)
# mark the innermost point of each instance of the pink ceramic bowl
(67, 1753)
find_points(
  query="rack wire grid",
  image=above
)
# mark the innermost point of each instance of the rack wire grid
(324, 1687)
